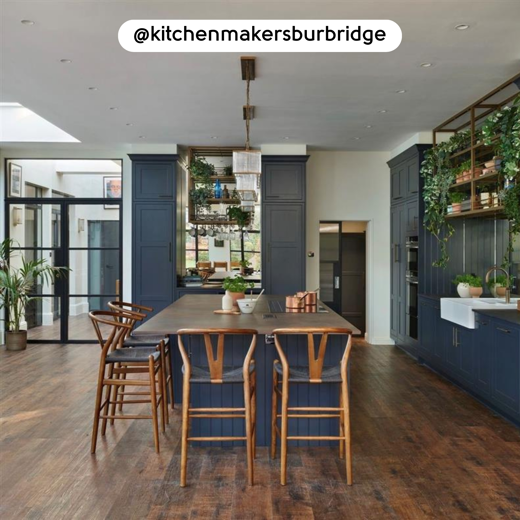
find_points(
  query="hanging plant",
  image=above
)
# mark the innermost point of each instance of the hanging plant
(201, 171)
(502, 131)
(239, 215)
(439, 176)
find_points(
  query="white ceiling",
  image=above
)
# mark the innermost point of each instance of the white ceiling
(323, 100)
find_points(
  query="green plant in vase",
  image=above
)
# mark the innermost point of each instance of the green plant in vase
(236, 287)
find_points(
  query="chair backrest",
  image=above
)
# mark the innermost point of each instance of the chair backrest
(129, 313)
(220, 265)
(203, 265)
(118, 329)
(315, 362)
(235, 265)
(216, 362)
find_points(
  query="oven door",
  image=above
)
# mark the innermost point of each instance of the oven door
(412, 310)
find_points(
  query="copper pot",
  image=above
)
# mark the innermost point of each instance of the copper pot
(294, 302)
(311, 308)
(310, 297)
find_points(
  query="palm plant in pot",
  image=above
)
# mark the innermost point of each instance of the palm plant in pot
(236, 288)
(16, 287)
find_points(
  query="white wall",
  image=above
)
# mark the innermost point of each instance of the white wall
(354, 186)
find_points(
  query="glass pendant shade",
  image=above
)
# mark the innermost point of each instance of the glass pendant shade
(247, 167)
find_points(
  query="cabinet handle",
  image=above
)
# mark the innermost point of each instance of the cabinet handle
(453, 336)
(504, 330)
(396, 253)
(269, 253)
(456, 337)
(170, 252)
(165, 196)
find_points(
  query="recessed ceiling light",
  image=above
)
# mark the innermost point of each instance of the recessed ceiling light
(356, 138)
(65, 60)
(129, 124)
(462, 27)
(113, 108)
(368, 126)
(92, 88)
(141, 137)
(286, 138)
(214, 137)
(401, 91)
(426, 65)
(382, 111)
(27, 22)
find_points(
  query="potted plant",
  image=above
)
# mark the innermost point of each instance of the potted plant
(245, 267)
(201, 172)
(462, 283)
(236, 288)
(16, 286)
(464, 171)
(237, 214)
(499, 285)
(228, 171)
(475, 286)
(456, 199)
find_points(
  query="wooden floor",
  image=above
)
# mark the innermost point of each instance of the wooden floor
(422, 449)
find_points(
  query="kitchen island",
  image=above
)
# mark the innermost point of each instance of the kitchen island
(196, 311)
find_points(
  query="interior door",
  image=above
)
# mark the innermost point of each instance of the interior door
(353, 262)
(330, 264)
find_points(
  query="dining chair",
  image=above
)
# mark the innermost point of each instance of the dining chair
(134, 339)
(235, 266)
(216, 373)
(203, 265)
(220, 266)
(315, 372)
(115, 361)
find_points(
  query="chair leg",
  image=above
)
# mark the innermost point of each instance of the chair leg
(253, 413)
(122, 391)
(107, 397)
(274, 411)
(169, 371)
(97, 410)
(283, 441)
(115, 392)
(153, 402)
(185, 428)
(346, 430)
(164, 391)
(163, 396)
(341, 428)
(249, 435)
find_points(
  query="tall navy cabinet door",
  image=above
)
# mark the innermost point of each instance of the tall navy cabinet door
(153, 180)
(284, 255)
(284, 181)
(153, 250)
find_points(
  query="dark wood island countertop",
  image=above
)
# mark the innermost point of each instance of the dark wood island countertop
(196, 310)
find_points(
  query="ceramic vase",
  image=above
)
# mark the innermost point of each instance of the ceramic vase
(227, 302)
(476, 292)
(463, 290)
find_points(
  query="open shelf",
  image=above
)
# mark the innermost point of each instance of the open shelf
(495, 211)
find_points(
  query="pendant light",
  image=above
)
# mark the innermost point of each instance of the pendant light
(247, 164)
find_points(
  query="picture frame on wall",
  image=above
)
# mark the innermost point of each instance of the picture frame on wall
(112, 190)
(15, 180)
(219, 243)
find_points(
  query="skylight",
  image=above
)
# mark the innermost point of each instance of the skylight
(21, 125)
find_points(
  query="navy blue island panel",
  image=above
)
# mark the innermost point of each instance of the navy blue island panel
(197, 311)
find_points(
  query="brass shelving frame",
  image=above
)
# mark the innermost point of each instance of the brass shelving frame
(470, 118)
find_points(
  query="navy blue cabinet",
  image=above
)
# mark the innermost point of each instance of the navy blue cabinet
(283, 223)
(153, 230)
(505, 363)
(484, 361)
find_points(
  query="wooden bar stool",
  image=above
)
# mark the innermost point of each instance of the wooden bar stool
(217, 373)
(116, 361)
(135, 340)
(314, 373)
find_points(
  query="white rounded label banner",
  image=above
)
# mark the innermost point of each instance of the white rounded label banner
(260, 35)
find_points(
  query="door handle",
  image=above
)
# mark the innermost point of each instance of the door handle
(336, 282)
(457, 337)
(396, 253)
(504, 330)
(170, 252)
(269, 253)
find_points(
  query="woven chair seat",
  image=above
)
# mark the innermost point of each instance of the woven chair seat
(145, 341)
(301, 374)
(229, 374)
(132, 355)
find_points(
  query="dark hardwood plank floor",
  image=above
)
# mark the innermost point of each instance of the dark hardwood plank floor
(422, 449)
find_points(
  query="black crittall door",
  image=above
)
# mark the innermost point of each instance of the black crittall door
(330, 264)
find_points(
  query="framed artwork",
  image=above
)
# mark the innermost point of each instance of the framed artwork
(219, 243)
(112, 190)
(15, 180)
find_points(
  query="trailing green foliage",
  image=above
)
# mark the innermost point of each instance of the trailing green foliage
(239, 215)
(17, 283)
(201, 171)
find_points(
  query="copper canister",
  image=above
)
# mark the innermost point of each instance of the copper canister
(311, 308)
(294, 304)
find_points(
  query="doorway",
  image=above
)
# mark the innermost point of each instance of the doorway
(343, 269)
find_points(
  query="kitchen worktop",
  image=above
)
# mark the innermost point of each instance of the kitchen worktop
(196, 311)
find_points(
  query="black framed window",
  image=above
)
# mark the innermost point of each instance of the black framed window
(73, 219)
(197, 248)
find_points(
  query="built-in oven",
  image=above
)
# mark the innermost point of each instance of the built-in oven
(412, 286)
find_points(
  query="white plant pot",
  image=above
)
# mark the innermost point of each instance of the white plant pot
(463, 290)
